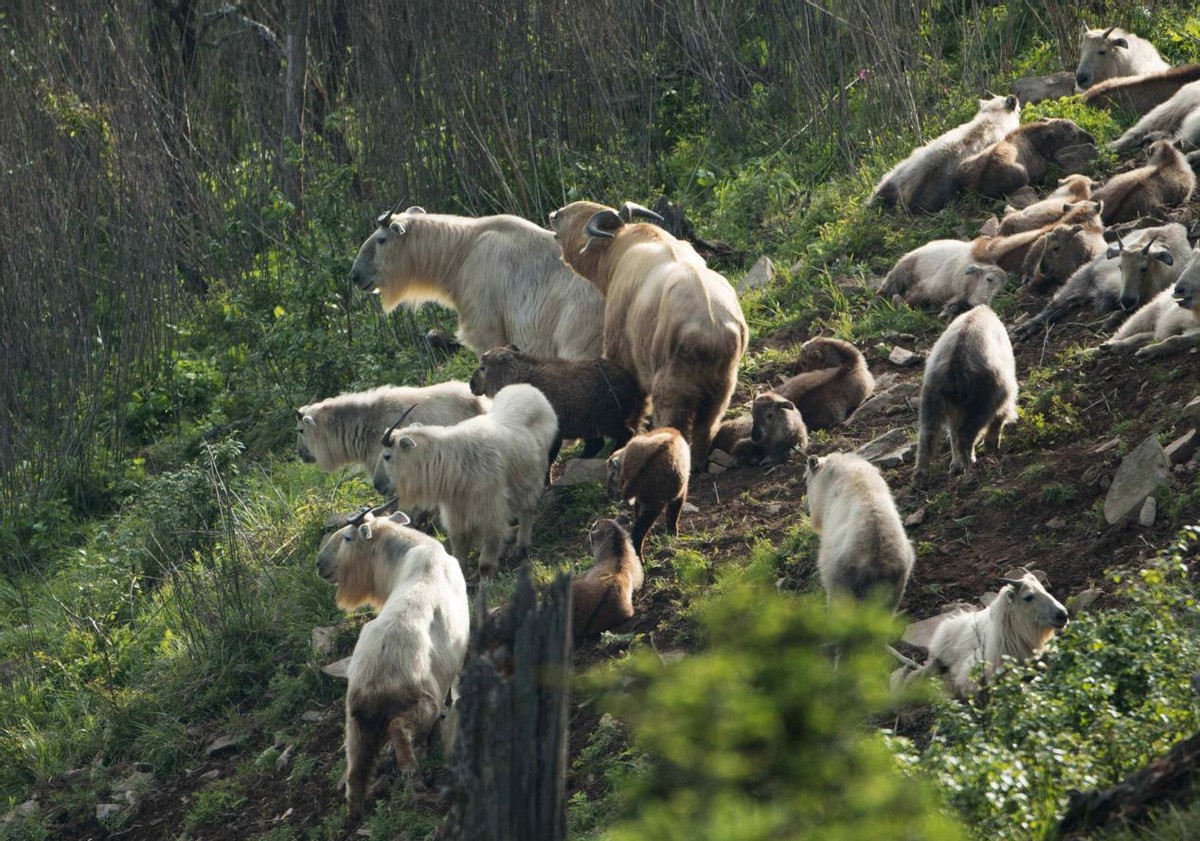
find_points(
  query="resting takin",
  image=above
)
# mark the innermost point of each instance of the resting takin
(668, 318)
(602, 597)
(479, 474)
(1110, 53)
(1165, 182)
(408, 657)
(1166, 121)
(1017, 624)
(502, 274)
(1168, 324)
(1022, 158)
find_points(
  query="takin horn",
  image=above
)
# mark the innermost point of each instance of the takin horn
(355, 519)
(1016, 582)
(384, 218)
(630, 211)
(603, 223)
(1146, 250)
(387, 436)
(1108, 32)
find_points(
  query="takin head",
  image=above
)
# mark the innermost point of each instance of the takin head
(585, 231)
(382, 247)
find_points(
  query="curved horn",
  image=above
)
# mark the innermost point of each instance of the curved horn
(630, 211)
(1108, 32)
(1016, 582)
(1120, 241)
(603, 223)
(387, 436)
(359, 516)
(386, 217)
(1146, 250)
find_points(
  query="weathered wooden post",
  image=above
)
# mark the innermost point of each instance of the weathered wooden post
(510, 756)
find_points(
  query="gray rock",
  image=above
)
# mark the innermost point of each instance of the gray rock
(583, 471)
(223, 745)
(760, 274)
(284, 759)
(1082, 601)
(917, 517)
(339, 670)
(717, 469)
(1022, 198)
(1148, 513)
(1181, 450)
(899, 398)
(1036, 88)
(1056, 523)
(1106, 446)
(1140, 473)
(1075, 159)
(891, 449)
(311, 716)
(209, 776)
(722, 458)
(322, 639)
(24, 811)
(1190, 417)
(688, 508)
(904, 358)
(136, 781)
(108, 811)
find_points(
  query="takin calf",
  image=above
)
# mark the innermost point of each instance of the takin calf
(1020, 159)
(1170, 322)
(1017, 624)
(652, 469)
(1113, 53)
(602, 598)
(1072, 189)
(864, 550)
(769, 435)
(1165, 182)
(1059, 254)
(479, 474)
(502, 274)
(593, 398)
(668, 318)
(925, 179)
(833, 381)
(408, 657)
(345, 430)
(969, 389)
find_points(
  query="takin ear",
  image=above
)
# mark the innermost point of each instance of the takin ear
(1076, 229)
(400, 518)
(1012, 103)
(512, 348)
(416, 208)
(1164, 257)
(406, 443)
(310, 420)
(814, 463)
(788, 406)
(1120, 42)
(1067, 208)
(398, 227)
(973, 269)
(364, 531)
(1113, 251)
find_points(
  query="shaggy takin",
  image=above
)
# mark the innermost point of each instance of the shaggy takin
(501, 273)
(408, 657)
(602, 598)
(1017, 624)
(1140, 94)
(1097, 283)
(668, 318)
(1150, 262)
(1110, 53)
(925, 179)
(345, 430)
(593, 398)
(945, 273)
(1060, 253)
(1011, 252)
(1165, 182)
(832, 382)
(1073, 188)
(864, 549)
(652, 470)
(969, 389)
(1170, 322)
(1020, 159)
(768, 435)
(1163, 121)
(479, 474)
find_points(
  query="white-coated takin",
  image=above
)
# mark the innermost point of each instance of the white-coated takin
(1111, 53)
(1169, 323)
(407, 659)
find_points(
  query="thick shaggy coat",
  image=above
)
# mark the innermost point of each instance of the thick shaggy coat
(1017, 624)
(1073, 188)
(593, 398)
(1165, 182)
(1150, 261)
(602, 598)
(1140, 94)
(864, 549)
(925, 179)
(769, 434)
(969, 390)
(668, 318)
(1060, 253)
(1110, 53)
(652, 470)
(1020, 159)
(408, 657)
(1170, 322)
(1012, 253)
(1163, 121)
(501, 273)
(1097, 283)
(945, 273)
(832, 382)
(346, 429)
(479, 474)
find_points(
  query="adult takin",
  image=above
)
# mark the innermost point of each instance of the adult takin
(668, 318)
(480, 474)
(1165, 121)
(864, 550)
(1111, 53)
(502, 274)
(652, 470)
(1151, 261)
(924, 181)
(593, 398)
(407, 658)
(969, 390)
(1169, 323)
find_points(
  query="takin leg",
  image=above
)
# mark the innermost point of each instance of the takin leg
(674, 509)
(592, 446)
(363, 740)
(927, 446)
(963, 441)
(1169, 345)
(644, 518)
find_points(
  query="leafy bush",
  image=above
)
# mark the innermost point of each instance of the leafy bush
(1115, 694)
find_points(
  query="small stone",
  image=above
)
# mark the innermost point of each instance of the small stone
(134, 782)
(339, 670)
(311, 716)
(282, 761)
(323, 638)
(108, 811)
(903, 358)
(1190, 416)
(1106, 446)
(1148, 513)
(891, 449)
(1082, 601)
(722, 458)
(1036, 88)
(209, 776)
(223, 745)
(1056, 523)
(917, 517)
(583, 471)
(689, 508)
(1140, 473)
(760, 274)
(1022, 198)
(1075, 159)
(893, 401)
(716, 469)
(1183, 448)
(773, 510)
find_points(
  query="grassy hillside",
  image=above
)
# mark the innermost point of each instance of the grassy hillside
(156, 605)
